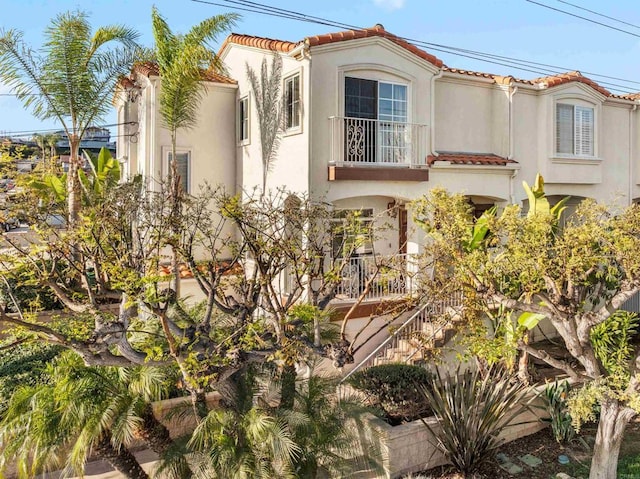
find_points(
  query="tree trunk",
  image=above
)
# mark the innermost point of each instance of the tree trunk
(199, 404)
(74, 190)
(120, 459)
(174, 191)
(288, 386)
(614, 418)
(157, 437)
(523, 362)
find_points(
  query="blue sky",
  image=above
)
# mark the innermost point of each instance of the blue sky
(514, 28)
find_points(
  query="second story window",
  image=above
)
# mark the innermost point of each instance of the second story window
(292, 102)
(376, 128)
(574, 130)
(243, 120)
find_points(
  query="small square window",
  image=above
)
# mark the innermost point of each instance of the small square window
(184, 168)
(243, 120)
(292, 102)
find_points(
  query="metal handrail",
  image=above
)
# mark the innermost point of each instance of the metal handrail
(386, 341)
(412, 319)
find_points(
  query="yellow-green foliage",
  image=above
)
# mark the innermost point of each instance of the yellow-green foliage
(584, 402)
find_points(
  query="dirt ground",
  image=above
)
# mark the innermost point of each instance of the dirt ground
(543, 446)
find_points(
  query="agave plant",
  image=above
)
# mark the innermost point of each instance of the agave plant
(472, 412)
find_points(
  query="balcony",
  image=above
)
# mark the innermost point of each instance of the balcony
(389, 277)
(363, 149)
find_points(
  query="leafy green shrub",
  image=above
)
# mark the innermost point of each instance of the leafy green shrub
(555, 396)
(472, 412)
(23, 365)
(612, 344)
(396, 389)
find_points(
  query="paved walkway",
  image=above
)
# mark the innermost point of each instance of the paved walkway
(102, 470)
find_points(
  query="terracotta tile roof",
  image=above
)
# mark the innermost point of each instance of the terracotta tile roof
(379, 31)
(126, 82)
(575, 76)
(286, 46)
(485, 159)
(184, 271)
(259, 42)
(375, 31)
(470, 73)
(151, 69)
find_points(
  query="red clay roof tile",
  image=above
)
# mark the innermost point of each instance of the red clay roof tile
(486, 159)
(375, 31)
(575, 76)
(259, 42)
(379, 31)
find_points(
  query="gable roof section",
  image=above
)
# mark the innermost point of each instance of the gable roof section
(575, 76)
(478, 159)
(284, 46)
(375, 31)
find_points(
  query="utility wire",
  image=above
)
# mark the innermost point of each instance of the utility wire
(583, 18)
(515, 63)
(599, 14)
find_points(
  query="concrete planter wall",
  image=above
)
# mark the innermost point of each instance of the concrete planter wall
(168, 413)
(410, 447)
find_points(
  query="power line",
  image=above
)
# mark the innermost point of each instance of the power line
(511, 62)
(583, 18)
(599, 14)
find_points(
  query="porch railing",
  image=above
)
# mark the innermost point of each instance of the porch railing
(391, 275)
(363, 142)
(418, 331)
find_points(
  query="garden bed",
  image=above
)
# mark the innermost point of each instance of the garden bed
(547, 450)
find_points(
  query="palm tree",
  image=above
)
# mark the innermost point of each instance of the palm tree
(84, 409)
(52, 140)
(69, 80)
(181, 60)
(39, 140)
(331, 431)
(266, 90)
(324, 434)
(242, 439)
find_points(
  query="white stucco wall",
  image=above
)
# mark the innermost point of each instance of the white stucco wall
(290, 169)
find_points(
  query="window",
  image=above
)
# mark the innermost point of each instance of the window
(243, 120)
(574, 130)
(376, 121)
(349, 236)
(184, 168)
(292, 102)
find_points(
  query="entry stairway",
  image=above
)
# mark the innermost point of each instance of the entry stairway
(426, 328)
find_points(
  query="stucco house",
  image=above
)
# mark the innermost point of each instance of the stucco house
(372, 122)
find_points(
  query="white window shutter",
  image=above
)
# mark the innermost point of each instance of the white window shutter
(564, 129)
(584, 131)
